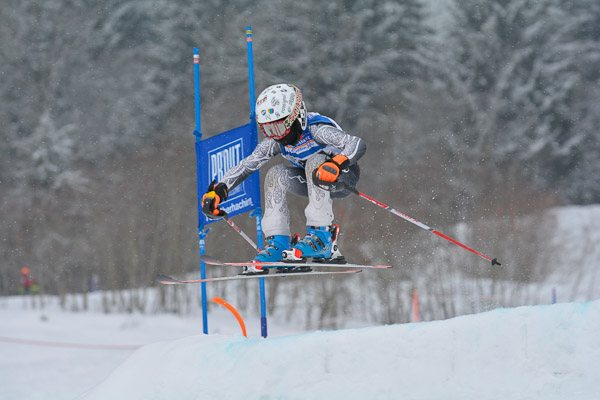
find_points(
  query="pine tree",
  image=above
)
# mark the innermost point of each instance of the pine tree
(583, 185)
(514, 69)
(348, 56)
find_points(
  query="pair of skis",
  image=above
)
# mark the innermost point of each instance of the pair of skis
(167, 280)
(209, 260)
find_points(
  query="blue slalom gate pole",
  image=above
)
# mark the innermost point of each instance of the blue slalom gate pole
(257, 212)
(263, 302)
(201, 233)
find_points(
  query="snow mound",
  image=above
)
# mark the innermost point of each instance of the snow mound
(540, 352)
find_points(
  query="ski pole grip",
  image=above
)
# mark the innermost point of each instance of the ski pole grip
(206, 210)
(348, 188)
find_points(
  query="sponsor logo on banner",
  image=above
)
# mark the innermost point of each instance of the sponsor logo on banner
(219, 154)
(222, 159)
(239, 205)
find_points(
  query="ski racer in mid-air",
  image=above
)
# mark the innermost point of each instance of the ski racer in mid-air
(324, 160)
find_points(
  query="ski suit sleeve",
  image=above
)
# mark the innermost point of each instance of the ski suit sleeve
(265, 150)
(339, 142)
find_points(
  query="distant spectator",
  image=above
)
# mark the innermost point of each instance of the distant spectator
(25, 280)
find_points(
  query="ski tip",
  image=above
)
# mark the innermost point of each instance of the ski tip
(495, 262)
(210, 260)
(167, 280)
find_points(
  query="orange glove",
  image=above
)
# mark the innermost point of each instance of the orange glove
(215, 195)
(330, 170)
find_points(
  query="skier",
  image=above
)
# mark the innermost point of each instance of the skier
(25, 280)
(322, 156)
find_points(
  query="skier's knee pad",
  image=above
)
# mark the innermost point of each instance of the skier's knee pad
(273, 177)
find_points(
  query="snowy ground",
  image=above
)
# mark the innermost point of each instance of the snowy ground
(542, 352)
(537, 352)
(53, 354)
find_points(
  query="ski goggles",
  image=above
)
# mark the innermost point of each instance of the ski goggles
(275, 129)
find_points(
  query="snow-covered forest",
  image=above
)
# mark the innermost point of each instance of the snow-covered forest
(480, 117)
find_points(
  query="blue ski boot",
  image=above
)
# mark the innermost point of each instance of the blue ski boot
(271, 253)
(320, 243)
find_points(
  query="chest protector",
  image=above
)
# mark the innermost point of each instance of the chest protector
(298, 153)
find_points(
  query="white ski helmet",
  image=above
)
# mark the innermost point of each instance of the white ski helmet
(277, 107)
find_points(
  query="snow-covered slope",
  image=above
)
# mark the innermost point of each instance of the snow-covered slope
(541, 352)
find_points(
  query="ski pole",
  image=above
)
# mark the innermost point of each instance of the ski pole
(419, 224)
(223, 214)
(241, 232)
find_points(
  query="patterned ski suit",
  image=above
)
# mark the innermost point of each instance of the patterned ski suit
(322, 137)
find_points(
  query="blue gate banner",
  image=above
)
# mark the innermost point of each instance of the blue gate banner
(216, 156)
